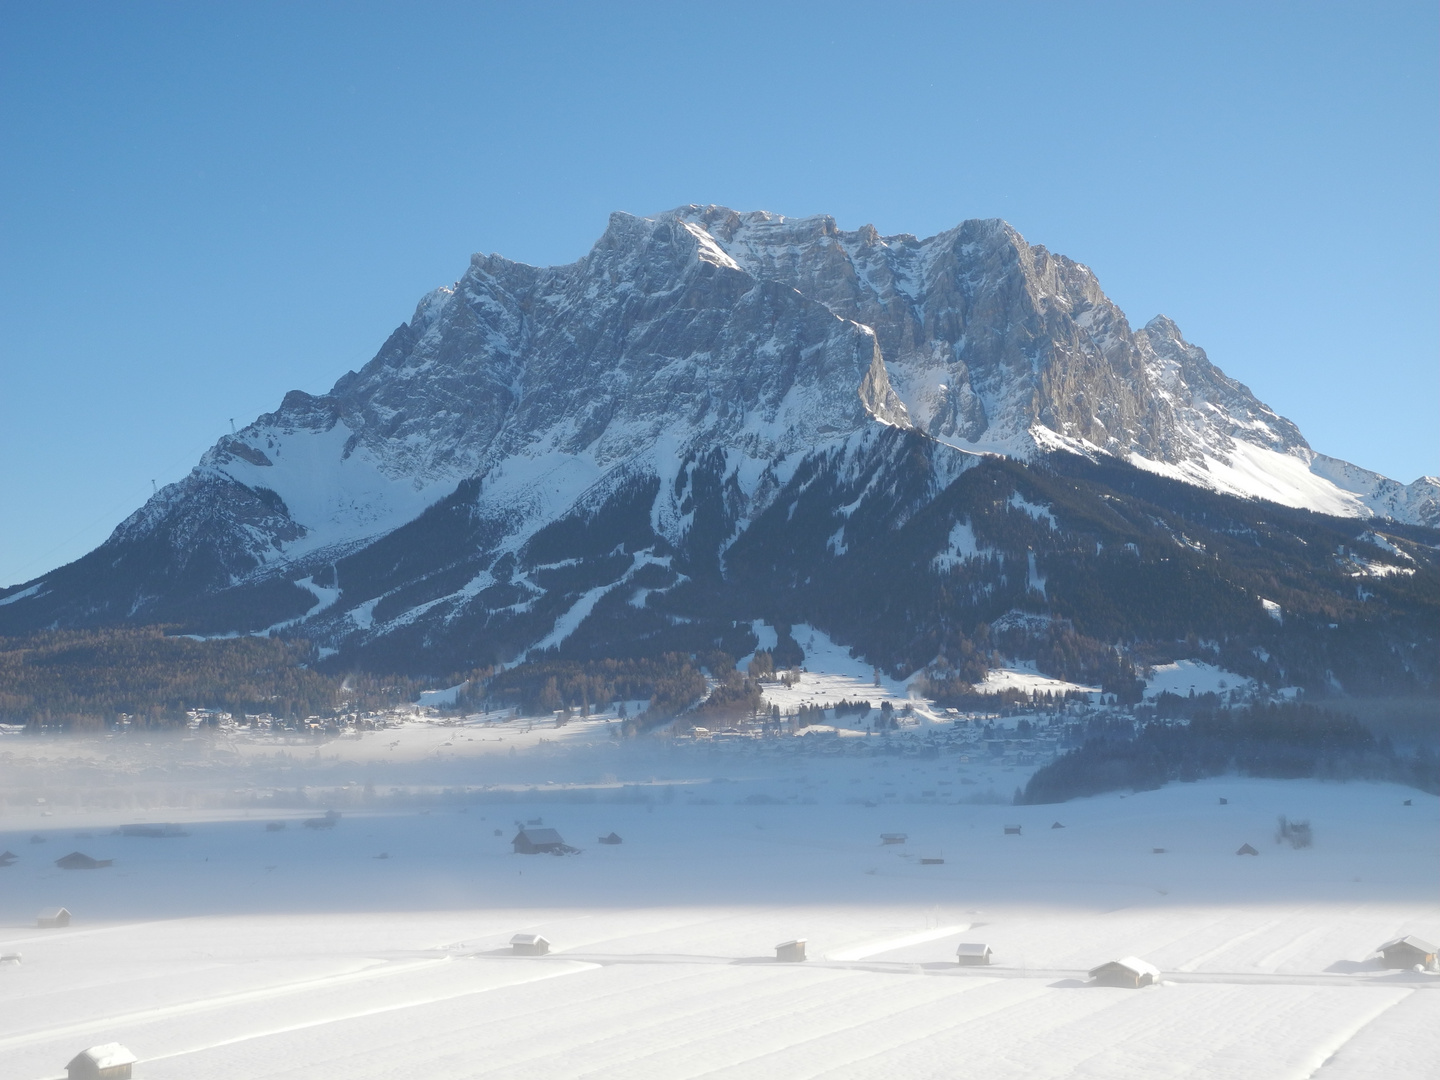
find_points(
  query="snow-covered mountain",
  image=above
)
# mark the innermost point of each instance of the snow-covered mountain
(665, 392)
(690, 328)
(995, 345)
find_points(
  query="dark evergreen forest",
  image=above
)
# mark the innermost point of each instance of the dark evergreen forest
(1278, 741)
(85, 679)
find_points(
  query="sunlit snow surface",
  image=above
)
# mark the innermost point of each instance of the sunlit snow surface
(1022, 676)
(1184, 676)
(237, 952)
(832, 675)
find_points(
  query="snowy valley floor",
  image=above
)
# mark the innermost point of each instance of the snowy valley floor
(238, 952)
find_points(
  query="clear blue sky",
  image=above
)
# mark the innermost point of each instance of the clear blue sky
(203, 206)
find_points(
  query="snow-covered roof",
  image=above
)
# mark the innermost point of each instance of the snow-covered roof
(1130, 963)
(540, 836)
(106, 1056)
(528, 939)
(1411, 940)
(971, 948)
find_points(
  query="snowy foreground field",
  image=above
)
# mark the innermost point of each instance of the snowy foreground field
(379, 947)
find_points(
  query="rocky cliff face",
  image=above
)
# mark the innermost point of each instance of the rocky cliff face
(537, 446)
(995, 345)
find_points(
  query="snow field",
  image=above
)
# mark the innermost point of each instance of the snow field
(233, 951)
(1184, 676)
(1022, 676)
(832, 675)
(658, 1015)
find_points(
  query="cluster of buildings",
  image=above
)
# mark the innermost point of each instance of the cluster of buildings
(326, 727)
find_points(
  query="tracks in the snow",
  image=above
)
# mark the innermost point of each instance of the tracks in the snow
(1069, 976)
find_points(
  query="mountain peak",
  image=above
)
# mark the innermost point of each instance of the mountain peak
(1164, 326)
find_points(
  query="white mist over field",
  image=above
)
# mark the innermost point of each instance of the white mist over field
(378, 945)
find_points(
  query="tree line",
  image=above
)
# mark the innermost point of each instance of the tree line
(668, 684)
(88, 679)
(1288, 741)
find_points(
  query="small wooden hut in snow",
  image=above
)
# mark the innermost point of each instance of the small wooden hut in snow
(7, 857)
(893, 837)
(533, 841)
(790, 952)
(1246, 849)
(1406, 952)
(613, 838)
(1129, 971)
(52, 918)
(529, 945)
(108, 1061)
(78, 860)
(1012, 830)
(971, 954)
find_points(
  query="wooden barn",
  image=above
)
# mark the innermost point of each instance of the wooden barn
(108, 1061)
(1129, 971)
(972, 954)
(1246, 849)
(613, 838)
(78, 860)
(535, 841)
(51, 918)
(529, 945)
(8, 857)
(1406, 952)
(893, 837)
(790, 952)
